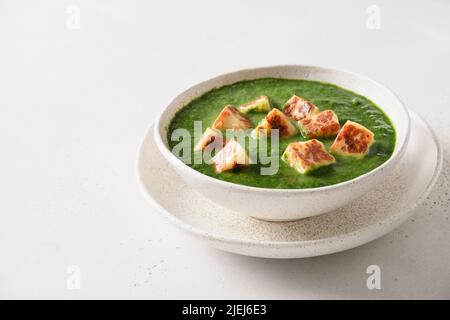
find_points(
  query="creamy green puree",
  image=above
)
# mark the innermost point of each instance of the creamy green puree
(346, 104)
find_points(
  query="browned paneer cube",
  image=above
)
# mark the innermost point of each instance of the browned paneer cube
(298, 108)
(260, 104)
(211, 137)
(324, 124)
(275, 119)
(231, 156)
(305, 156)
(230, 118)
(353, 140)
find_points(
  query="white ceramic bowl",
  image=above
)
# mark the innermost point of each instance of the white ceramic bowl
(288, 204)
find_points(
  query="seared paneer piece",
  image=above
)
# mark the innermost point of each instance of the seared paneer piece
(353, 140)
(260, 104)
(305, 156)
(320, 125)
(275, 119)
(233, 155)
(298, 108)
(230, 118)
(212, 138)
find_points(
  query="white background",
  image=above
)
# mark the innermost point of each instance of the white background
(75, 103)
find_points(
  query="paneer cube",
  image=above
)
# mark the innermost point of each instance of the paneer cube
(260, 104)
(275, 119)
(321, 125)
(353, 140)
(230, 118)
(305, 156)
(212, 138)
(298, 108)
(233, 155)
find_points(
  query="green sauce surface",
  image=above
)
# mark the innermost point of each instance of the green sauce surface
(346, 104)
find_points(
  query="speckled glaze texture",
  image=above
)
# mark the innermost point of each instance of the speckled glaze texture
(289, 204)
(378, 212)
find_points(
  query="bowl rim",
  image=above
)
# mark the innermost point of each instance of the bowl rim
(395, 157)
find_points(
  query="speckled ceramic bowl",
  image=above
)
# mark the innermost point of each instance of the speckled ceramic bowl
(288, 204)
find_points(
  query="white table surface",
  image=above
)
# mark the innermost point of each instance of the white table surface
(75, 103)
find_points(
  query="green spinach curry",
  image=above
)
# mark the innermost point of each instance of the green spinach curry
(346, 104)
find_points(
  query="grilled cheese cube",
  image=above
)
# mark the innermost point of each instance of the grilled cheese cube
(305, 156)
(260, 104)
(212, 138)
(231, 156)
(353, 140)
(230, 118)
(298, 108)
(321, 125)
(275, 119)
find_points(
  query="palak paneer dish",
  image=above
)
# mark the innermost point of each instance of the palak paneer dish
(326, 134)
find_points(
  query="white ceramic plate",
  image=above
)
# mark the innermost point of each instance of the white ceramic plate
(364, 220)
